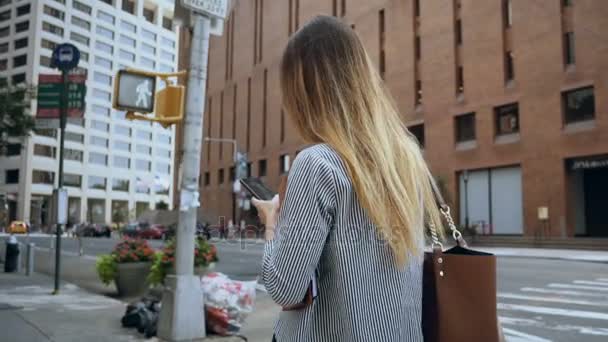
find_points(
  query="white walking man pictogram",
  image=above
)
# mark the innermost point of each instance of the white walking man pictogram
(143, 92)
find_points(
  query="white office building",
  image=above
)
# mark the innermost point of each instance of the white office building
(114, 168)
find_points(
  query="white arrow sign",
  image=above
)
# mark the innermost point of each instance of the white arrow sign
(212, 8)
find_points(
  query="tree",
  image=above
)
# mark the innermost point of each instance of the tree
(162, 205)
(16, 120)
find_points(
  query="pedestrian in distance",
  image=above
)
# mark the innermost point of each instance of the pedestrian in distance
(344, 253)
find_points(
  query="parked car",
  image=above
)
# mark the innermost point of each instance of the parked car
(95, 230)
(155, 231)
(18, 227)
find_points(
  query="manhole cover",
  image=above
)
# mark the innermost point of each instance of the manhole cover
(4, 306)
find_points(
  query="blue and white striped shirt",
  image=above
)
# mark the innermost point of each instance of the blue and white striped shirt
(363, 294)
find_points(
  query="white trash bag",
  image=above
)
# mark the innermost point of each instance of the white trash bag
(227, 302)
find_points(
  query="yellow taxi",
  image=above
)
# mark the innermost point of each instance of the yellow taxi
(17, 227)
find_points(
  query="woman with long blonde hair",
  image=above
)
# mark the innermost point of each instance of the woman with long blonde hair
(352, 220)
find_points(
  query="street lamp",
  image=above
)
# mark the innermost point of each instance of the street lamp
(465, 178)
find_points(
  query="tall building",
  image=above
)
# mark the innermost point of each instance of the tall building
(114, 168)
(507, 97)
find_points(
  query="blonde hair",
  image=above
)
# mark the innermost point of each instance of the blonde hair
(333, 94)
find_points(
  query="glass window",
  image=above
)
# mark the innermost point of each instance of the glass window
(102, 78)
(19, 78)
(262, 168)
(418, 132)
(104, 32)
(143, 165)
(84, 56)
(5, 2)
(147, 62)
(161, 152)
(96, 182)
(149, 49)
(103, 62)
(164, 139)
(23, 10)
(578, 105)
(168, 42)
(22, 26)
(128, 26)
(47, 44)
(141, 187)
(3, 64)
(3, 47)
(207, 178)
(127, 55)
(54, 29)
(98, 158)
(100, 125)
(98, 141)
(144, 135)
(567, 3)
(13, 150)
(19, 61)
(569, 55)
(45, 61)
(465, 127)
(101, 110)
(507, 12)
(79, 38)
(128, 6)
(167, 56)
(122, 162)
(120, 115)
(74, 155)
(220, 176)
(4, 16)
(11, 176)
(101, 95)
(120, 185)
(53, 12)
(101, 46)
(49, 133)
(144, 149)
(20, 43)
(163, 168)
(122, 130)
(75, 137)
(81, 23)
(72, 180)
(43, 177)
(122, 146)
(103, 16)
(82, 7)
(166, 68)
(148, 35)
(44, 151)
(5, 31)
(127, 41)
(167, 23)
(149, 15)
(507, 119)
(509, 67)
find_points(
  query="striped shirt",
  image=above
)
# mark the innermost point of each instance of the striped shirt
(363, 294)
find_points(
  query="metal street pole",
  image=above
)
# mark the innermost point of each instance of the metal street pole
(182, 314)
(62, 122)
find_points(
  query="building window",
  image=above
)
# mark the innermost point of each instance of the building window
(103, 79)
(128, 6)
(20, 43)
(44, 151)
(104, 32)
(418, 132)
(418, 92)
(262, 168)
(507, 119)
(13, 150)
(417, 8)
(147, 63)
(220, 176)
(578, 105)
(23, 10)
(4, 16)
(22, 26)
(103, 62)
(5, 2)
(120, 185)
(459, 80)
(49, 133)
(102, 95)
(127, 41)
(163, 153)
(11, 176)
(128, 56)
(149, 49)
(143, 165)
(4, 48)
(149, 15)
(98, 141)
(167, 23)
(81, 7)
(465, 127)
(79, 38)
(100, 125)
(5, 31)
(122, 146)
(148, 35)
(98, 158)
(143, 149)
(284, 164)
(163, 168)
(167, 56)
(53, 12)
(569, 55)
(122, 130)
(507, 12)
(122, 162)
(47, 44)
(509, 67)
(56, 30)
(81, 23)
(144, 135)
(72, 180)
(417, 47)
(101, 110)
(19, 61)
(107, 48)
(96, 182)
(127, 26)
(168, 42)
(458, 32)
(17, 79)
(43, 177)
(73, 155)
(164, 139)
(3, 64)
(567, 3)
(103, 16)
(75, 137)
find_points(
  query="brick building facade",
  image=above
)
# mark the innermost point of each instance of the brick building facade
(508, 97)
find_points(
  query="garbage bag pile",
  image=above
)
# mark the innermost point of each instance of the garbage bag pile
(227, 305)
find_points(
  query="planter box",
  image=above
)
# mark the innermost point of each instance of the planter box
(131, 278)
(198, 271)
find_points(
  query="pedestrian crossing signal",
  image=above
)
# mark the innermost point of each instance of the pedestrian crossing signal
(135, 92)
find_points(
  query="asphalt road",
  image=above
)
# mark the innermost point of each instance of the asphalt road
(540, 300)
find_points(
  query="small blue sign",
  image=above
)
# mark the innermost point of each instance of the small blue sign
(65, 57)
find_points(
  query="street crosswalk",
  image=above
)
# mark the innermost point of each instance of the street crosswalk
(574, 311)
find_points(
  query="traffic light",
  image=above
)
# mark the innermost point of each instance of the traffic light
(135, 92)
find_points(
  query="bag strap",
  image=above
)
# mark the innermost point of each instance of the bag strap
(445, 211)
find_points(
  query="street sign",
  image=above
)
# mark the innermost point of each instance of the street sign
(212, 8)
(50, 88)
(65, 57)
(134, 92)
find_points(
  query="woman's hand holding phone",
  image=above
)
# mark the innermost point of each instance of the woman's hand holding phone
(269, 213)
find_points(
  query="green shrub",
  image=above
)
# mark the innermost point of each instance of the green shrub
(106, 268)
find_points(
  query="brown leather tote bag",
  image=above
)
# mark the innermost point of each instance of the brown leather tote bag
(459, 290)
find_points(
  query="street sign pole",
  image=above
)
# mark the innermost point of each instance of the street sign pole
(182, 313)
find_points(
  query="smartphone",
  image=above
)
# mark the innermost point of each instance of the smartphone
(257, 188)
